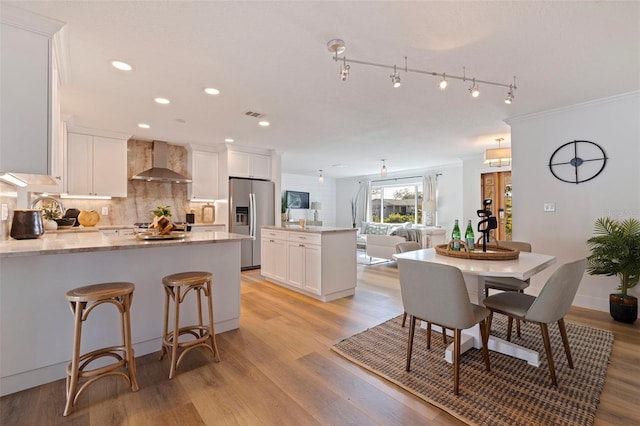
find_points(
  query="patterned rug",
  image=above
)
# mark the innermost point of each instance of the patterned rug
(512, 393)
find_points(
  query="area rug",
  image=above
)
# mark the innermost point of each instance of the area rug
(512, 393)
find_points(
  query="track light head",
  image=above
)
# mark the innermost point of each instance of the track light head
(344, 74)
(395, 78)
(475, 92)
(509, 97)
(443, 83)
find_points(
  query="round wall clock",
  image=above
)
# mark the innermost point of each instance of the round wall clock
(577, 161)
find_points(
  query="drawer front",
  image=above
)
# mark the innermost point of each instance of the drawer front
(305, 237)
(275, 235)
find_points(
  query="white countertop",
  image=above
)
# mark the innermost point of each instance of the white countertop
(74, 242)
(311, 229)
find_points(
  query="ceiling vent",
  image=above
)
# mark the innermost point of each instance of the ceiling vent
(253, 114)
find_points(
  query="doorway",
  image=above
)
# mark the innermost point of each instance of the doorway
(497, 186)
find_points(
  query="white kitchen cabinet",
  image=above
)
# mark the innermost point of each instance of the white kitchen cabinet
(250, 165)
(27, 102)
(96, 165)
(319, 264)
(304, 262)
(118, 232)
(204, 175)
(208, 228)
(274, 258)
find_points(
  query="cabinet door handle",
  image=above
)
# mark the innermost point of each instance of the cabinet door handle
(300, 245)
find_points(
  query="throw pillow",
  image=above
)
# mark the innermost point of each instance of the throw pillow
(376, 229)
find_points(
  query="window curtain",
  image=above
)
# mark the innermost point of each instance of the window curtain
(429, 202)
(366, 202)
(361, 204)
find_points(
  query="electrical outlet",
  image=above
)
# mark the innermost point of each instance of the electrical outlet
(5, 212)
(105, 211)
(549, 207)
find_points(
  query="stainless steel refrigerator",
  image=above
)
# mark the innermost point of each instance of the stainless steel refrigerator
(251, 205)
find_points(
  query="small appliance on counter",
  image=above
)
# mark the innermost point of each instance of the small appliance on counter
(27, 224)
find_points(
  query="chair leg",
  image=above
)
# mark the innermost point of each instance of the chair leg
(484, 333)
(444, 336)
(428, 335)
(412, 326)
(547, 349)
(509, 328)
(565, 341)
(72, 372)
(456, 360)
(404, 318)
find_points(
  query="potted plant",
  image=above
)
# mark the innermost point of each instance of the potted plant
(50, 213)
(615, 250)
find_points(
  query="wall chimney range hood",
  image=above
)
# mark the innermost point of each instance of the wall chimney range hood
(159, 172)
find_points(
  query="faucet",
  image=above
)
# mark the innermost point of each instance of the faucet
(48, 197)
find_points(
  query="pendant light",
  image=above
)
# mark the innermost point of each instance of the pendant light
(383, 170)
(320, 177)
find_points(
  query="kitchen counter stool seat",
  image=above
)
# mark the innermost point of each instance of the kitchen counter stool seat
(176, 287)
(82, 301)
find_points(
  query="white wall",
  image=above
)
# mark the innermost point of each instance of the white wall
(450, 193)
(324, 193)
(614, 124)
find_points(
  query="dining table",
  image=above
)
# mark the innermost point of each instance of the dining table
(474, 272)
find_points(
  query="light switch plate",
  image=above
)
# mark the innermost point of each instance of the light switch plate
(5, 212)
(549, 207)
(105, 211)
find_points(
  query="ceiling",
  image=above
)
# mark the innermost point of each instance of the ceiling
(271, 57)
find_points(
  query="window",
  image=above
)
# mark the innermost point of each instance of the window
(397, 202)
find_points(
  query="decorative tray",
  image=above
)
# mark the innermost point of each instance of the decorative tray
(494, 252)
(149, 236)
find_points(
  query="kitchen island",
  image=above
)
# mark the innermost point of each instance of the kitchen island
(319, 262)
(36, 324)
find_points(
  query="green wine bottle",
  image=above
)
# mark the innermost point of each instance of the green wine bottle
(456, 236)
(469, 237)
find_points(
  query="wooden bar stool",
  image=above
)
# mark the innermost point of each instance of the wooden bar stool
(176, 287)
(82, 301)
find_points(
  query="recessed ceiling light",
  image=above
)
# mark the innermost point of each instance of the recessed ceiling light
(122, 66)
(264, 123)
(162, 101)
(144, 126)
(211, 91)
(229, 140)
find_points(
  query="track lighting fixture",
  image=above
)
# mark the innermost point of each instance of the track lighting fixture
(337, 47)
(395, 78)
(443, 83)
(344, 74)
(383, 170)
(475, 92)
(320, 177)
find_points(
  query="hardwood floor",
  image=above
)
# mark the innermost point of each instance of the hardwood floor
(278, 369)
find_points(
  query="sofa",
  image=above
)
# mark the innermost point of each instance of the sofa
(379, 240)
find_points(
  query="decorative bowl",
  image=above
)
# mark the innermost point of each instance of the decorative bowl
(66, 222)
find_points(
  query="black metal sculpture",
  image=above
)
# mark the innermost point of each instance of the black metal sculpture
(487, 224)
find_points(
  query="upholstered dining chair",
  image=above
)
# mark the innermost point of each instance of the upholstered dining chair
(403, 248)
(508, 283)
(438, 295)
(551, 305)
